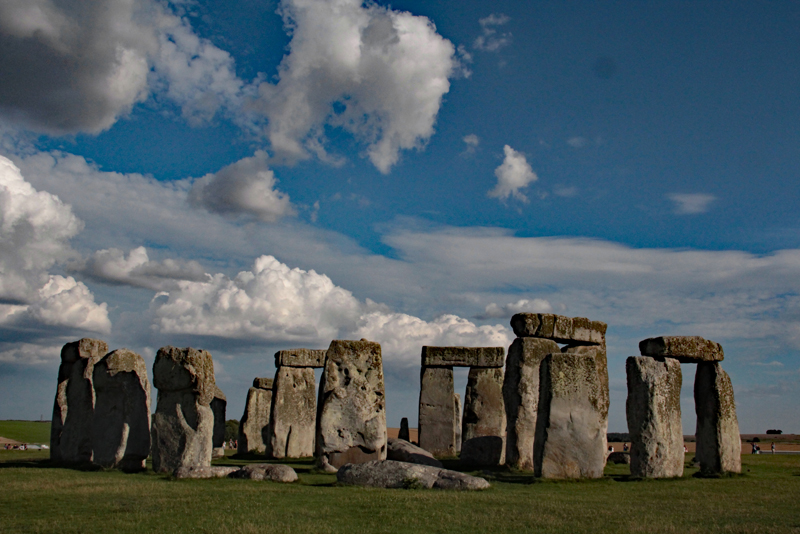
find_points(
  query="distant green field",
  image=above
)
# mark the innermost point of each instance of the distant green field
(26, 431)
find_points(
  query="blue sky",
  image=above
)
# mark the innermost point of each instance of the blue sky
(279, 174)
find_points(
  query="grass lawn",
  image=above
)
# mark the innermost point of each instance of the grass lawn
(26, 431)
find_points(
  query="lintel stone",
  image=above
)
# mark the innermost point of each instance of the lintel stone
(463, 356)
(572, 330)
(300, 358)
(262, 383)
(685, 349)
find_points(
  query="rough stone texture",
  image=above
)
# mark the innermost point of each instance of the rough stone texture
(183, 425)
(121, 421)
(254, 425)
(573, 330)
(654, 417)
(620, 457)
(462, 356)
(521, 397)
(218, 405)
(685, 349)
(571, 427)
(398, 475)
(403, 451)
(719, 447)
(351, 421)
(404, 434)
(71, 427)
(598, 352)
(437, 418)
(216, 471)
(270, 472)
(458, 419)
(300, 358)
(294, 413)
(484, 425)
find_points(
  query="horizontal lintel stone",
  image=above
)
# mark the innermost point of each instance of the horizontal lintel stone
(573, 330)
(300, 358)
(685, 349)
(463, 356)
(262, 383)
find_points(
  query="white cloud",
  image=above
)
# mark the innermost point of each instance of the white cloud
(577, 142)
(493, 310)
(111, 266)
(490, 40)
(691, 203)
(472, 141)
(566, 192)
(512, 175)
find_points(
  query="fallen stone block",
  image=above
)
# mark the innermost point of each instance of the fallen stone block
(484, 425)
(685, 349)
(573, 330)
(438, 420)
(402, 451)
(399, 475)
(268, 472)
(294, 413)
(254, 432)
(300, 358)
(719, 446)
(462, 356)
(207, 471)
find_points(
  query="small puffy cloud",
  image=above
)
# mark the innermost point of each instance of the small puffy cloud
(512, 175)
(246, 187)
(111, 266)
(691, 203)
(490, 40)
(521, 306)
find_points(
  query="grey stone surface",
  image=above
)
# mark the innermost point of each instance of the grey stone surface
(573, 330)
(484, 424)
(619, 457)
(404, 434)
(398, 475)
(458, 419)
(300, 358)
(263, 383)
(571, 425)
(254, 434)
(294, 413)
(462, 356)
(598, 352)
(121, 420)
(216, 471)
(218, 405)
(653, 410)
(685, 349)
(437, 418)
(351, 421)
(71, 427)
(719, 446)
(183, 424)
(402, 451)
(521, 397)
(268, 472)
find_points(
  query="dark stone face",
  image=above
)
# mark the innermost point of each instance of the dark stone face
(353, 455)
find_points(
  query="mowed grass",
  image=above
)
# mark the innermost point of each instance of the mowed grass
(36, 497)
(26, 431)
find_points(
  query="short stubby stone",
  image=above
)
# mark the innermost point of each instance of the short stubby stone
(521, 397)
(402, 475)
(484, 424)
(719, 446)
(351, 420)
(73, 409)
(653, 410)
(268, 472)
(685, 349)
(300, 358)
(404, 433)
(218, 406)
(402, 451)
(121, 421)
(573, 330)
(254, 434)
(209, 471)
(183, 424)
(462, 356)
(571, 427)
(262, 383)
(294, 413)
(438, 420)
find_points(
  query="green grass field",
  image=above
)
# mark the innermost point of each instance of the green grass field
(26, 431)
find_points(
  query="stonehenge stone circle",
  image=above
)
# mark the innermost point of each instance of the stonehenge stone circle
(294, 411)
(71, 427)
(571, 425)
(572, 330)
(183, 424)
(484, 424)
(402, 451)
(351, 421)
(653, 411)
(685, 349)
(462, 356)
(254, 425)
(458, 419)
(300, 358)
(398, 475)
(404, 434)
(521, 397)
(218, 406)
(121, 420)
(719, 445)
(438, 420)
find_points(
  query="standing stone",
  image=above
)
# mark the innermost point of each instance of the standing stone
(571, 427)
(654, 417)
(183, 425)
(521, 397)
(121, 423)
(294, 412)
(404, 434)
(598, 352)
(218, 406)
(458, 419)
(484, 425)
(254, 426)
(719, 446)
(71, 428)
(351, 422)
(437, 418)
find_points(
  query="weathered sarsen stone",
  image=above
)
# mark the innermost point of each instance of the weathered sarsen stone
(437, 416)
(484, 424)
(521, 397)
(294, 412)
(462, 356)
(71, 427)
(351, 421)
(653, 410)
(254, 425)
(404, 434)
(719, 446)
(399, 475)
(300, 358)
(573, 330)
(121, 421)
(218, 406)
(685, 349)
(403, 451)
(183, 425)
(458, 419)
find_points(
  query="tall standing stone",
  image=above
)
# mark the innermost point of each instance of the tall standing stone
(484, 424)
(598, 352)
(121, 422)
(71, 427)
(183, 425)
(458, 419)
(653, 410)
(294, 412)
(254, 426)
(437, 418)
(404, 434)
(351, 422)
(521, 397)
(218, 407)
(719, 445)
(570, 437)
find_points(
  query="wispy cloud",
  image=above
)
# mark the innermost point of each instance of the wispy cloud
(472, 141)
(691, 203)
(490, 40)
